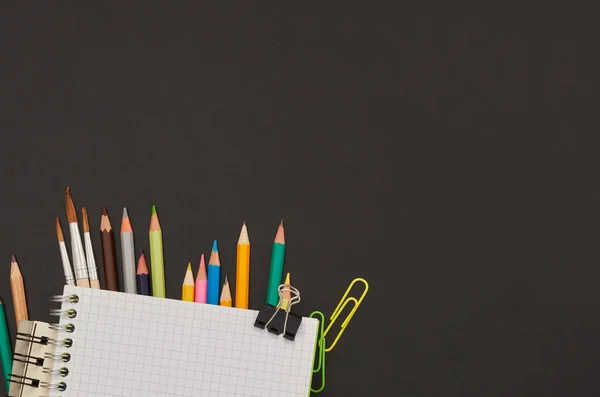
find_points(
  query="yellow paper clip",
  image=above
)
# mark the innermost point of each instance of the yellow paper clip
(340, 307)
(320, 352)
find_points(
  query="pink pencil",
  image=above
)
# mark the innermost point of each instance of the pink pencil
(201, 283)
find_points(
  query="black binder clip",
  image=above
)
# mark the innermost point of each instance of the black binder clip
(277, 320)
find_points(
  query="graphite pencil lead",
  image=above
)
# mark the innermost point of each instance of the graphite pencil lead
(71, 213)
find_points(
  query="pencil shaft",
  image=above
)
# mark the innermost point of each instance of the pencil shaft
(110, 260)
(143, 284)
(19, 300)
(5, 348)
(275, 273)
(201, 291)
(242, 276)
(157, 264)
(214, 282)
(128, 255)
(187, 293)
(69, 278)
(79, 263)
(90, 260)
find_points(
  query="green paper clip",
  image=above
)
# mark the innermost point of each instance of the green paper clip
(320, 352)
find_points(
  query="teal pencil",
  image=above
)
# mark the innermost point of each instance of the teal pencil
(5, 348)
(276, 272)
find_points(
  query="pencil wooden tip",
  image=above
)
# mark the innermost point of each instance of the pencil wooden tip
(142, 267)
(86, 221)
(201, 270)
(226, 292)
(105, 221)
(189, 275)
(104, 212)
(59, 232)
(71, 213)
(244, 235)
(280, 236)
(125, 223)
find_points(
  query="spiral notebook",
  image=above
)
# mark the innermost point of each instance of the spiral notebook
(131, 345)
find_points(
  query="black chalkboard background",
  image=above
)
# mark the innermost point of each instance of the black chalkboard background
(448, 156)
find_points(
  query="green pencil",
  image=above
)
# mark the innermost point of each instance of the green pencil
(276, 272)
(157, 264)
(5, 348)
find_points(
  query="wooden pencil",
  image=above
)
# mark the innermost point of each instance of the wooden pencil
(18, 291)
(286, 295)
(187, 289)
(157, 263)
(128, 254)
(214, 276)
(276, 270)
(242, 269)
(67, 270)
(109, 255)
(226, 294)
(143, 278)
(89, 251)
(79, 263)
(201, 283)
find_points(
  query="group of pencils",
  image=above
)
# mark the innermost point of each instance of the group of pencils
(206, 288)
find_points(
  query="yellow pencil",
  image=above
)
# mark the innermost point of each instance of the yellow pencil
(187, 289)
(226, 294)
(242, 269)
(286, 294)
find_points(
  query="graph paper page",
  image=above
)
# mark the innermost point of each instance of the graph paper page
(130, 345)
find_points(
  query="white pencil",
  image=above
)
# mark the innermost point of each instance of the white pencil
(79, 263)
(69, 279)
(89, 252)
(128, 254)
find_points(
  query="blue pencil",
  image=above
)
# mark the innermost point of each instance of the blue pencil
(214, 276)
(143, 278)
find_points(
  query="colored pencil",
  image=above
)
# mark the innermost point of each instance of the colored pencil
(276, 271)
(201, 281)
(128, 254)
(226, 294)
(79, 264)
(214, 276)
(109, 255)
(187, 289)
(242, 269)
(69, 279)
(157, 263)
(18, 291)
(286, 295)
(89, 251)
(143, 278)
(6, 354)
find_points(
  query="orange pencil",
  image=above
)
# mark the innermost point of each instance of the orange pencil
(242, 269)
(226, 294)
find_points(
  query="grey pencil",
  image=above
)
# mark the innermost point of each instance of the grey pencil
(128, 253)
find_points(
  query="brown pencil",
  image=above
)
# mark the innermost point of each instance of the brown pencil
(108, 253)
(18, 291)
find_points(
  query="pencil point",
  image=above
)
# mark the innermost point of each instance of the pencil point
(141, 252)
(153, 209)
(214, 247)
(189, 266)
(104, 212)
(287, 279)
(125, 215)
(13, 259)
(281, 222)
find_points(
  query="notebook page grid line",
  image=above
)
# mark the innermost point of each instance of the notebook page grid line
(142, 346)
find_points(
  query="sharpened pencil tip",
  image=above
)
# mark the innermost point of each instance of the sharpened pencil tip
(215, 248)
(153, 209)
(281, 222)
(141, 252)
(13, 259)
(104, 212)
(125, 215)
